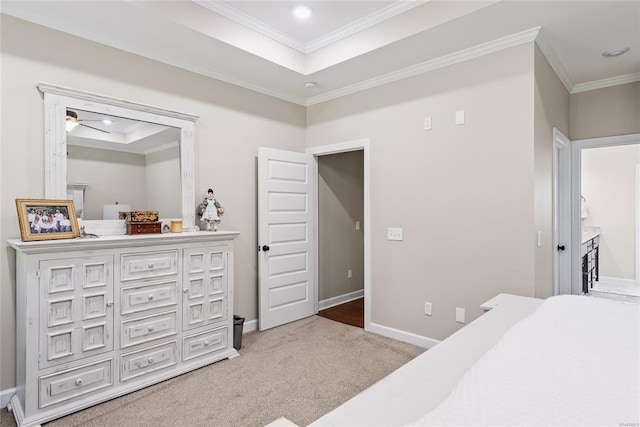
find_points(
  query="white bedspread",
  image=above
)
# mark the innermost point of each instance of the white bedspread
(575, 361)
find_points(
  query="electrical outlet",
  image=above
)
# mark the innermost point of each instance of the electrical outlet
(394, 234)
(427, 308)
(349, 273)
(357, 225)
(460, 315)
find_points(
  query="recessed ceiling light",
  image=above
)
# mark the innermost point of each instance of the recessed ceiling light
(107, 121)
(302, 12)
(615, 52)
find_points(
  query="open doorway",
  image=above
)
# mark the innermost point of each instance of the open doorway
(610, 219)
(361, 150)
(588, 225)
(340, 237)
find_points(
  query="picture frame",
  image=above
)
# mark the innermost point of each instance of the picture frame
(47, 219)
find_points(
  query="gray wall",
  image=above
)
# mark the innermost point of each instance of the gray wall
(341, 246)
(233, 123)
(164, 191)
(110, 176)
(463, 194)
(605, 112)
(551, 110)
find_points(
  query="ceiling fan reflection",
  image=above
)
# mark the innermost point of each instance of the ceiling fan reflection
(72, 121)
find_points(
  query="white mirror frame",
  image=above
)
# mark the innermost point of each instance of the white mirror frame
(56, 101)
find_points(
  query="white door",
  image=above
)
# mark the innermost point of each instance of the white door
(286, 187)
(562, 246)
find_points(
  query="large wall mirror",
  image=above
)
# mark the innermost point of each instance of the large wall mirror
(109, 154)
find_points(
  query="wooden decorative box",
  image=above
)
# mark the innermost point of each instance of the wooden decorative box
(139, 216)
(144, 227)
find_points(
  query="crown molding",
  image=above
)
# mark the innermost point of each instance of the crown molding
(363, 23)
(600, 84)
(251, 23)
(554, 61)
(394, 9)
(434, 64)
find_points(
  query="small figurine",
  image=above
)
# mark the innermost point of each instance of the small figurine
(211, 211)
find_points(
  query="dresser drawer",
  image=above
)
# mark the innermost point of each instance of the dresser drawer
(148, 328)
(74, 383)
(204, 343)
(148, 265)
(149, 360)
(146, 297)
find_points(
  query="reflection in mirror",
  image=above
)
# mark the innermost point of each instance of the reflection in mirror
(142, 144)
(131, 163)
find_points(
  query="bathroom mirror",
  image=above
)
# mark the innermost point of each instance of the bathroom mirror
(143, 159)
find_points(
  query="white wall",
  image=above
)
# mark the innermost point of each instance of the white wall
(609, 187)
(463, 194)
(233, 123)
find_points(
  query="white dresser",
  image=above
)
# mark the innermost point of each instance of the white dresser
(101, 317)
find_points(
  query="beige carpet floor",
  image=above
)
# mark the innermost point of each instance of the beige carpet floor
(300, 371)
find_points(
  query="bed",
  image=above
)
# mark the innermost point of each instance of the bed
(567, 360)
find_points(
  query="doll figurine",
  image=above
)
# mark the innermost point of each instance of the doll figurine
(211, 211)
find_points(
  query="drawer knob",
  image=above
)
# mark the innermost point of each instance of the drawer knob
(150, 265)
(150, 297)
(151, 360)
(109, 303)
(79, 382)
(185, 290)
(206, 343)
(150, 328)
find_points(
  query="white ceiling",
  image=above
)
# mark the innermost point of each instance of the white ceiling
(347, 46)
(121, 134)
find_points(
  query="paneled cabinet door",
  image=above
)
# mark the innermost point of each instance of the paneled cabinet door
(76, 308)
(204, 286)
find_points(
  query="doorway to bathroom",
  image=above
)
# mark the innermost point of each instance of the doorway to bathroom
(606, 216)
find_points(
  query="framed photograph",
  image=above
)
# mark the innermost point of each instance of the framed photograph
(47, 219)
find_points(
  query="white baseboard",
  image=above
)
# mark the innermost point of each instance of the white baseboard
(5, 396)
(251, 325)
(340, 299)
(617, 281)
(397, 334)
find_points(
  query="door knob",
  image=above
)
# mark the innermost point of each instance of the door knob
(265, 248)
(561, 248)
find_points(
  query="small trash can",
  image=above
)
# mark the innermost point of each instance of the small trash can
(237, 331)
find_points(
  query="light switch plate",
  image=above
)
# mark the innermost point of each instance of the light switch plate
(459, 117)
(427, 123)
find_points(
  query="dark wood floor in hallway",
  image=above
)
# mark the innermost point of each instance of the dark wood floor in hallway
(351, 313)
